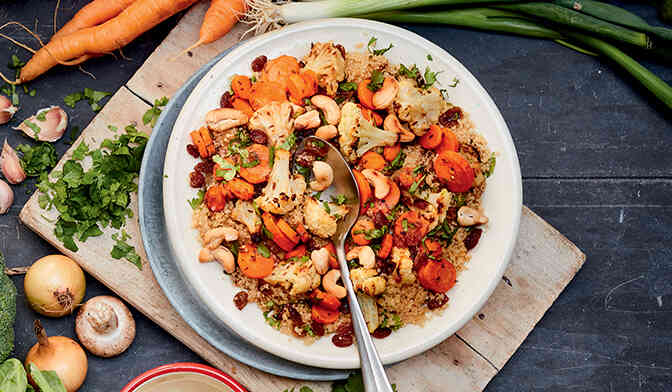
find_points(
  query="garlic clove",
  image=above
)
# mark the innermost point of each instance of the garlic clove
(47, 124)
(7, 110)
(6, 197)
(11, 165)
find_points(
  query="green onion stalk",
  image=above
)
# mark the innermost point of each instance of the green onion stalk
(611, 13)
(576, 20)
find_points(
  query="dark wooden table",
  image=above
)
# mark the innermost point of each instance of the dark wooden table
(596, 156)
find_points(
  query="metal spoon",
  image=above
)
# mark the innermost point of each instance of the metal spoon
(373, 374)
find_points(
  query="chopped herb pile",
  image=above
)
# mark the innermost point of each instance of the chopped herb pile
(37, 159)
(152, 114)
(98, 197)
(92, 96)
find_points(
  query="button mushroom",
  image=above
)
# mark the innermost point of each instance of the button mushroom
(105, 326)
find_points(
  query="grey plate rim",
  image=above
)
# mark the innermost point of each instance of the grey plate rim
(166, 271)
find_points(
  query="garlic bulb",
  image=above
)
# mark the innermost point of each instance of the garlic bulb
(7, 110)
(11, 165)
(6, 197)
(47, 124)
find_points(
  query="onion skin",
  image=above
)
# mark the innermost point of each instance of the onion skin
(54, 286)
(60, 354)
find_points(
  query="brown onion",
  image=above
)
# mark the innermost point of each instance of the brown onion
(54, 285)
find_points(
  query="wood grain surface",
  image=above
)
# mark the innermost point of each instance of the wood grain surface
(543, 263)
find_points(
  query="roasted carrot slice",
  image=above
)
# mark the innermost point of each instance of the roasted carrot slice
(252, 264)
(386, 246)
(449, 142)
(325, 300)
(333, 261)
(453, 169)
(393, 196)
(260, 172)
(303, 233)
(302, 85)
(365, 95)
(358, 231)
(215, 197)
(278, 237)
(324, 315)
(410, 227)
(364, 189)
(287, 230)
(391, 152)
(372, 160)
(438, 276)
(197, 139)
(433, 247)
(310, 78)
(432, 139)
(241, 86)
(243, 105)
(297, 252)
(240, 188)
(265, 92)
(406, 177)
(207, 139)
(279, 69)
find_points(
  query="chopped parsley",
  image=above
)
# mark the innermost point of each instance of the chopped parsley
(371, 47)
(429, 57)
(391, 321)
(303, 170)
(37, 159)
(94, 98)
(373, 234)
(227, 171)
(412, 72)
(415, 185)
(10, 89)
(122, 249)
(198, 200)
(430, 78)
(80, 152)
(443, 232)
(326, 207)
(377, 79)
(289, 142)
(299, 260)
(36, 129)
(454, 83)
(347, 86)
(491, 166)
(309, 330)
(339, 199)
(152, 114)
(112, 128)
(42, 115)
(397, 162)
(249, 164)
(263, 250)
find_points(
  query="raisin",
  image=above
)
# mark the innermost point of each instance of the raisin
(318, 329)
(294, 314)
(304, 158)
(258, 136)
(421, 204)
(340, 49)
(225, 100)
(259, 63)
(472, 238)
(196, 179)
(380, 220)
(344, 308)
(451, 214)
(240, 300)
(437, 301)
(264, 288)
(381, 333)
(255, 238)
(450, 117)
(301, 64)
(345, 328)
(204, 167)
(388, 267)
(192, 150)
(342, 340)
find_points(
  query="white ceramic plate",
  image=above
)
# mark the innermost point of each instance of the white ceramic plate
(502, 200)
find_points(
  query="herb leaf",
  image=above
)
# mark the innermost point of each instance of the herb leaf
(152, 114)
(263, 250)
(412, 72)
(198, 200)
(347, 86)
(371, 47)
(491, 166)
(430, 78)
(37, 159)
(377, 79)
(227, 171)
(123, 250)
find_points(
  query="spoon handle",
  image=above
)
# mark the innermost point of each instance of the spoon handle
(373, 374)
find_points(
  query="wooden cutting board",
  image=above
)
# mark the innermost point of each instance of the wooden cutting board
(543, 262)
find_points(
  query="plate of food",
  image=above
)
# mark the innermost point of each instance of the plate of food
(250, 209)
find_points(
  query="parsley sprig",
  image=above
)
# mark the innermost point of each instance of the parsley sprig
(94, 98)
(152, 114)
(371, 47)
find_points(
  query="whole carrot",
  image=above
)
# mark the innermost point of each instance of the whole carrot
(93, 14)
(219, 20)
(116, 33)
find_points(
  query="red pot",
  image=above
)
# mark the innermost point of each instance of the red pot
(187, 368)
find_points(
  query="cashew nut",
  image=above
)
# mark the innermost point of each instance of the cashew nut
(297, 110)
(308, 120)
(392, 123)
(326, 132)
(324, 176)
(467, 216)
(320, 259)
(225, 258)
(225, 118)
(205, 256)
(365, 254)
(214, 237)
(386, 94)
(332, 113)
(379, 181)
(330, 286)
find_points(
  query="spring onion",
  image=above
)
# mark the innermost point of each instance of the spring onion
(614, 14)
(563, 16)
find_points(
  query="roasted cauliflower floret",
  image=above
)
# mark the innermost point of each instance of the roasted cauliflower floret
(401, 257)
(244, 213)
(367, 281)
(328, 63)
(274, 119)
(419, 107)
(321, 219)
(439, 202)
(284, 191)
(301, 277)
(357, 135)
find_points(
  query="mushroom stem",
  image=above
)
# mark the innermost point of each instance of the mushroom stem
(102, 318)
